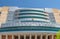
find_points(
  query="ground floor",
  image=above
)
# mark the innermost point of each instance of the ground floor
(28, 32)
(28, 35)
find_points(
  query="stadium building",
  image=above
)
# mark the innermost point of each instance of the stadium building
(29, 23)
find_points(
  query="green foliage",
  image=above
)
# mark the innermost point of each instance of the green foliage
(58, 35)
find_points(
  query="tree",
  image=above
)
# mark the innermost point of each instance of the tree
(58, 35)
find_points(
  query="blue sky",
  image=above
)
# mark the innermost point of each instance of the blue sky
(32, 3)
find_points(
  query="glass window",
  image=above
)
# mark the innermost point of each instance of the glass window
(15, 37)
(51, 17)
(44, 36)
(9, 36)
(3, 36)
(33, 37)
(31, 10)
(0, 12)
(50, 37)
(27, 37)
(38, 37)
(21, 37)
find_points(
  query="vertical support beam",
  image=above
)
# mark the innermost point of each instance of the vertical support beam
(41, 36)
(35, 36)
(0, 36)
(47, 36)
(30, 36)
(12, 36)
(6, 36)
(24, 36)
(52, 36)
(18, 36)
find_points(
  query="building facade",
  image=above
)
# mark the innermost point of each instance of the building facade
(29, 23)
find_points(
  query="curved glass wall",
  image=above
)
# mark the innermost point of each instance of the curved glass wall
(31, 15)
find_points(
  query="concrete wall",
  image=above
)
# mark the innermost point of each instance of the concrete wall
(3, 16)
(56, 15)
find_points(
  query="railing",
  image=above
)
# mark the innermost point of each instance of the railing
(30, 24)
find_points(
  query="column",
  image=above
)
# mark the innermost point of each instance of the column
(52, 36)
(47, 36)
(24, 36)
(6, 36)
(12, 36)
(0, 36)
(18, 36)
(35, 36)
(30, 36)
(41, 36)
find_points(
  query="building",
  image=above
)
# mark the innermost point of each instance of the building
(29, 23)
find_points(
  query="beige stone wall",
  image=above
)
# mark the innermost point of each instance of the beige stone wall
(56, 13)
(3, 16)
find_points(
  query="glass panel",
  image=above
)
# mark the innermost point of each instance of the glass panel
(54, 36)
(27, 37)
(21, 37)
(31, 10)
(0, 12)
(33, 37)
(15, 37)
(50, 37)
(44, 37)
(9, 36)
(3, 36)
(38, 37)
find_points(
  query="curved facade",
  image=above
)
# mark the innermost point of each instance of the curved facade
(31, 15)
(25, 23)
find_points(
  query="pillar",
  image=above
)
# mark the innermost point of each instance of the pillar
(30, 36)
(0, 36)
(6, 36)
(47, 36)
(52, 36)
(12, 36)
(24, 36)
(41, 36)
(35, 36)
(18, 36)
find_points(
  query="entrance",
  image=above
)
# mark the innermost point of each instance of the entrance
(15, 37)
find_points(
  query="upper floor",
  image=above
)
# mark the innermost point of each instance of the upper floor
(29, 16)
